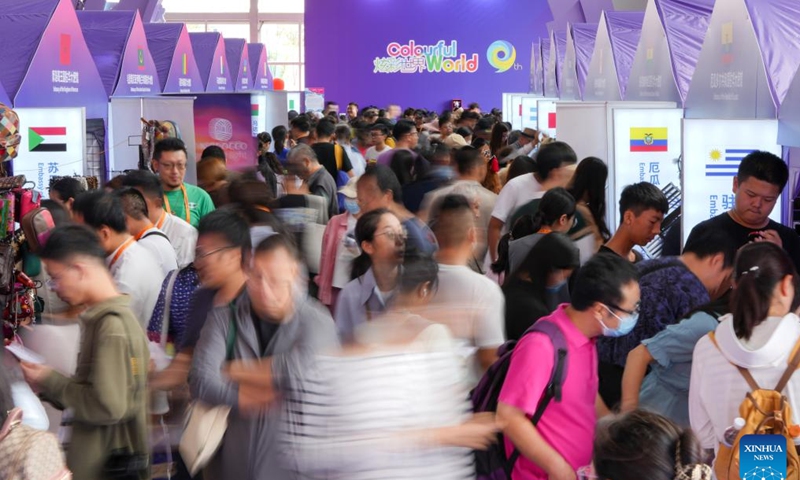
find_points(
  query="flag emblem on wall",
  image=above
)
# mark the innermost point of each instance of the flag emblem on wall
(65, 49)
(551, 120)
(254, 110)
(185, 64)
(47, 139)
(727, 43)
(724, 162)
(534, 116)
(140, 58)
(649, 139)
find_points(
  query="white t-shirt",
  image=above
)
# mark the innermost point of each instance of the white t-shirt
(161, 248)
(182, 236)
(346, 253)
(138, 274)
(373, 153)
(515, 194)
(717, 388)
(473, 308)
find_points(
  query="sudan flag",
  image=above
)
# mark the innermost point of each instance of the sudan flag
(47, 139)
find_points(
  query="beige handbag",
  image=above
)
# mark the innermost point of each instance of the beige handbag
(206, 425)
(28, 454)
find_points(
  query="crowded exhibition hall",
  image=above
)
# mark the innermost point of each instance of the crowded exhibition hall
(420, 239)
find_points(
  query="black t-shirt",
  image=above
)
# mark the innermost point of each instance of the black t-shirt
(741, 234)
(637, 257)
(326, 153)
(523, 308)
(265, 330)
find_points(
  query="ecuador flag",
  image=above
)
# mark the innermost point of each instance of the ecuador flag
(648, 139)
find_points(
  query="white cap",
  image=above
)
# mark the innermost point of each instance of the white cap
(739, 423)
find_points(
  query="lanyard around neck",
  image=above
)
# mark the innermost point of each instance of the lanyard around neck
(161, 220)
(120, 251)
(185, 204)
(144, 230)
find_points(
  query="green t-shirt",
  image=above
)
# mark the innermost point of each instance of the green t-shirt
(532, 207)
(200, 203)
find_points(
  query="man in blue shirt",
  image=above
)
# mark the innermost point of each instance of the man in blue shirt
(671, 287)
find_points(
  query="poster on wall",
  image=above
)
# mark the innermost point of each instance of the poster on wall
(546, 117)
(53, 144)
(647, 148)
(225, 121)
(712, 151)
(314, 99)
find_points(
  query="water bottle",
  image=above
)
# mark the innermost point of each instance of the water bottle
(730, 433)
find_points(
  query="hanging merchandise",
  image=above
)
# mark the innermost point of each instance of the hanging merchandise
(9, 133)
(152, 132)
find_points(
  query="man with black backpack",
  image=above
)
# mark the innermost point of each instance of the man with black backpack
(557, 360)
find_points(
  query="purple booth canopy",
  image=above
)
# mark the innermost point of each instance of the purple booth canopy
(209, 51)
(119, 48)
(239, 62)
(259, 67)
(624, 30)
(174, 58)
(583, 36)
(560, 38)
(776, 23)
(685, 25)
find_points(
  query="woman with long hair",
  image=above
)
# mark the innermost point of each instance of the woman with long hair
(539, 285)
(381, 238)
(279, 136)
(761, 336)
(589, 190)
(499, 139)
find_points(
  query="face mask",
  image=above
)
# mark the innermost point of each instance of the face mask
(351, 205)
(555, 288)
(625, 325)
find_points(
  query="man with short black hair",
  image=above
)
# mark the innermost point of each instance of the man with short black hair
(642, 207)
(134, 269)
(144, 232)
(378, 132)
(468, 119)
(107, 394)
(300, 130)
(406, 138)
(213, 151)
(182, 235)
(331, 107)
(671, 287)
(474, 107)
(761, 178)
(330, 155)
(181, 199)
(344, 137)
(605, 299)
(352, 112)
(303, 162)
(65, 190)
(370, 114)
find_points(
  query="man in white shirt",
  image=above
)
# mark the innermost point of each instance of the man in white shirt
(344, 137)
(472, 168)
(134, 269)
(181, 234)
(471, 305)
(555, 166)
(378, 134)
(144, 232)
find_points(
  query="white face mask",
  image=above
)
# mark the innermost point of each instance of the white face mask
(625, 326)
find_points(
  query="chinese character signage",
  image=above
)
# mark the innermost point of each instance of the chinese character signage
(713, 150)
(53, 144)
(647, 146)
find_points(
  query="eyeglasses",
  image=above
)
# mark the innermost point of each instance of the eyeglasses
(394, 236)
(200, 256)
(172, 166)
(635, 310)
(487, 153)
(55, 280)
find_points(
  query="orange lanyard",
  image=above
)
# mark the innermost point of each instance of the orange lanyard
(120, 251)
(545, 230)
(161, 220)
(185, 204)
(140, 234)
(263, 209)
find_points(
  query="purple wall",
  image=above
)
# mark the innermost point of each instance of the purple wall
(345, 60)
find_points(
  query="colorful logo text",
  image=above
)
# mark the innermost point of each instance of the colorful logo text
(413, 58)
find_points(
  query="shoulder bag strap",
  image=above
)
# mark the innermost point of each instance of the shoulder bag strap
(751, 382)
(551, 391)
(338, 153)
(173, 276)
(793, 364)
(157, 234)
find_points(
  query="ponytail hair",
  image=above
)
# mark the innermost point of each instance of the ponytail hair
(758, 269)
(556, 203)
(672, 453)
(366, 228)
